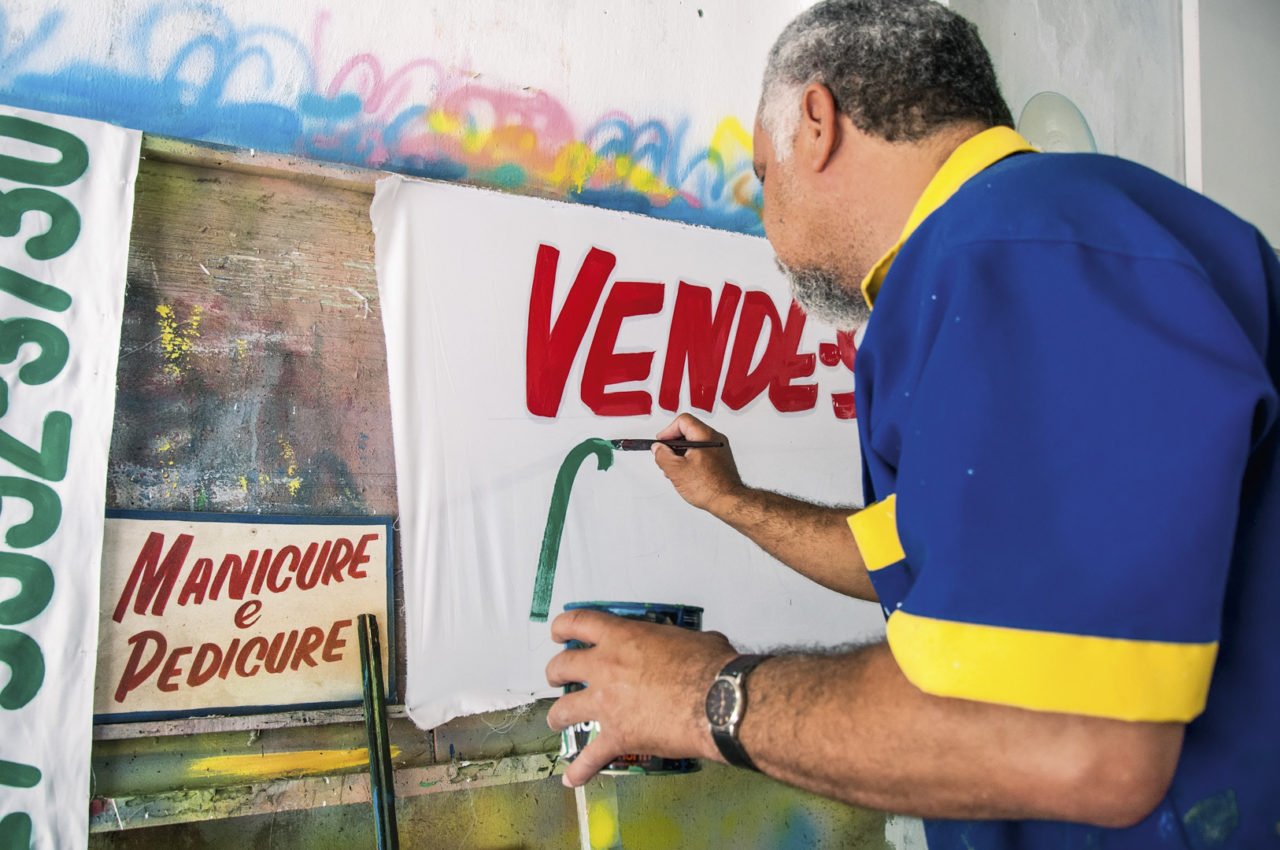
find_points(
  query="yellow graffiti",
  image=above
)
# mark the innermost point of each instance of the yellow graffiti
(242, 348)
(574, 166)
(244, 484)
(293, 482)
(176, 337)
(443, 122)
(731, 141)
(271, 765)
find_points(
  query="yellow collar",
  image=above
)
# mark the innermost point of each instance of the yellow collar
(975, 154)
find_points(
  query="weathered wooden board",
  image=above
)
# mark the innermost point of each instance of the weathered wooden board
(252, 373)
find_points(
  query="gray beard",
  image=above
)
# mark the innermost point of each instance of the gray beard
(824, 298)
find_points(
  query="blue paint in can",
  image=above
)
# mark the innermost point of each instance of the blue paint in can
(573, 739)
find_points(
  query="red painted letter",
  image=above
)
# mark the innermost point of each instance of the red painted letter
(780, 363)
(833, 354)
(549, 351)
(135, 671)
(700, 341)
(605, 366)
(157, 579)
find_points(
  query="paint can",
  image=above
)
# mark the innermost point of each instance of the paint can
(576, 737)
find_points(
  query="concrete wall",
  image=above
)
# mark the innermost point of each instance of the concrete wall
(1119, 61)
(1239, 71)
(645, 106)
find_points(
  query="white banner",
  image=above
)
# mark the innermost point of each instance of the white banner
(517, 330)
(66, 211)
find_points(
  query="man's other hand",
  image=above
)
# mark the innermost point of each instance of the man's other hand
(646, 687)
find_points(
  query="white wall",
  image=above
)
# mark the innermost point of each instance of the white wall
(645, 105)
(1240, 73)
(1119, 61)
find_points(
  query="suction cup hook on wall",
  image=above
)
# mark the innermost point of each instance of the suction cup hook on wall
(1052, 123)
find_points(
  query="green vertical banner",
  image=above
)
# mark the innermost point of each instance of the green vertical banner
(66, 205)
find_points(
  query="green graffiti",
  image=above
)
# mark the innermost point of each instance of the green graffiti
(50, 460)
(37, 587)
(18, 775)
(73, 162)
(555, 520)
(26, 662)
(64, 221)
(46, 511)
(33, 291)
(15, 832)
(54, 349)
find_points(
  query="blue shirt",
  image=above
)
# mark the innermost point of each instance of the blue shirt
(1067, 405)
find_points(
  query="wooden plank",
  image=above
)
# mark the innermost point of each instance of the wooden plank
(251, 162)
(239, 723)
(110, 814)
(222, 759)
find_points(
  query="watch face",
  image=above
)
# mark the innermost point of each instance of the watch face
(722, 702)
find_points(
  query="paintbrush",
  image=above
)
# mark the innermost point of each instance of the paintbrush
(674, 445)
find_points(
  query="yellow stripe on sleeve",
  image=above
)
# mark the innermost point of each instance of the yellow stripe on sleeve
(1051, 671)
(875, 530)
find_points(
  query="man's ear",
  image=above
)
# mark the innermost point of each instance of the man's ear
(819, 135)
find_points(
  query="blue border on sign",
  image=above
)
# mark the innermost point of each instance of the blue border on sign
(388, 619)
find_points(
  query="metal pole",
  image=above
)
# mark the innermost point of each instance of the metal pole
(381, 783)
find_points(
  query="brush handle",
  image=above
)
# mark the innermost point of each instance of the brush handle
(674, 445)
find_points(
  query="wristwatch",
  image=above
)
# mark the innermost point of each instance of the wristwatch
(726, 705)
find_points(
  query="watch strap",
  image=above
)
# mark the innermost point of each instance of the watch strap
(726, 737)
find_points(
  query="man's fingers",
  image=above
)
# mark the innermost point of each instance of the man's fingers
(594, 758)
(666, 459)
(570, 709)
(688, 427)
(567, 666)
(673, 431)
(581, 624)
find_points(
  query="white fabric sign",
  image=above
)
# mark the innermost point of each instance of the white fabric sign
(66, 211)
(518, 328)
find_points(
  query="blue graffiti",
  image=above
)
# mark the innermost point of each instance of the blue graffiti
(257, 87)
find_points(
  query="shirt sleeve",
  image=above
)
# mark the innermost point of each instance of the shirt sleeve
(1073, 438)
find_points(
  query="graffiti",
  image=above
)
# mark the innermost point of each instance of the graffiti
(189, 70)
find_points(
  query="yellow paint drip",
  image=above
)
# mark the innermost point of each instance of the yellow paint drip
(293, 482)
(271, 765)
(574, 164)
(176, 337)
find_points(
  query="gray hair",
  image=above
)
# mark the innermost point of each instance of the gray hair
(899, 69)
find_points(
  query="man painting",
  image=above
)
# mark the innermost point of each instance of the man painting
(1067, 409)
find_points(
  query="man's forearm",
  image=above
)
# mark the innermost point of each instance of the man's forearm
(814, 540)
(852, 727)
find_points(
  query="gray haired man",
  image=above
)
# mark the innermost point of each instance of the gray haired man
(1067, 410)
